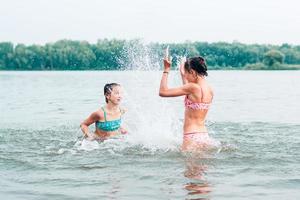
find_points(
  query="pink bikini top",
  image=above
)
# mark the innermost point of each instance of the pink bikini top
(195, 106)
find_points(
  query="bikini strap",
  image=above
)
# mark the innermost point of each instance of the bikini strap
(104, 113)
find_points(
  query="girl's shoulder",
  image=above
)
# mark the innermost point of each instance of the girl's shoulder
(194, 87)
(100, 112)
(95, 116)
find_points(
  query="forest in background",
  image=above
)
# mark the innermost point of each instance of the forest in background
(113, 55)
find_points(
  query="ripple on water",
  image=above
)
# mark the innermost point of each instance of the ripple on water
(251, 155)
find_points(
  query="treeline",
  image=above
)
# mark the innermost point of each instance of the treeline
(107, 54)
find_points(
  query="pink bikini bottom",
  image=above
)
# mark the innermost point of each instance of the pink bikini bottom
(200, 138)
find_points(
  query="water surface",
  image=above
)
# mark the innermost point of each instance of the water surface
(255, 115)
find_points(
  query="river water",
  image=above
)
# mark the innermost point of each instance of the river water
(255, 116)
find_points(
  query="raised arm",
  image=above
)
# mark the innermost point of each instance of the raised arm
(164, 91)
(181, 69)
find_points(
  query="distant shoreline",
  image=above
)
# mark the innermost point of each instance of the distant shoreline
(118, 54)
(284, 68)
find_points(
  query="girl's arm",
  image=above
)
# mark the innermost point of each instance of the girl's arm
(90, 120)
(181, 69)
(164, 80)
(122, 129)
(164, 91)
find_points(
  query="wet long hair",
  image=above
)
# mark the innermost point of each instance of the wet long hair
(198, 64)
(108, 89)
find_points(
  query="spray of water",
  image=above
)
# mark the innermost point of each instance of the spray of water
(154, 123)
(152, 120)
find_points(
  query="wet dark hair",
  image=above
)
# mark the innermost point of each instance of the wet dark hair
(108, 88)
(196, 63)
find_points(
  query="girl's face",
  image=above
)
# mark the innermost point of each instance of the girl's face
(191, 75)
(115, 95)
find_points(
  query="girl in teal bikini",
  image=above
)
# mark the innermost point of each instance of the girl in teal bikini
(108, 119)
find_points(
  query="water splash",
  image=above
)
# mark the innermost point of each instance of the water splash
(153, 122)
(139, 56)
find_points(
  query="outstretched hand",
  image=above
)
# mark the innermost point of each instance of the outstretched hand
(181, 67)
(90, 137)
(123, 131)
(167, 60)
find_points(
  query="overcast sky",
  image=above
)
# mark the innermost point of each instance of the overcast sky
(247, 21)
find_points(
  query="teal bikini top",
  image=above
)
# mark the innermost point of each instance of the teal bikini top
(112, 125)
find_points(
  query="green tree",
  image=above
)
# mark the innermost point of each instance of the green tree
(273, 57)
(117, 54)
(6, 54)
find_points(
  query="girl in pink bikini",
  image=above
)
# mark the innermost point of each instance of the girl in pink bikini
(198, 97)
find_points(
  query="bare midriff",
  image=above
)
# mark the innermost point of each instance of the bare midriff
(194, 121)
(105, 135)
